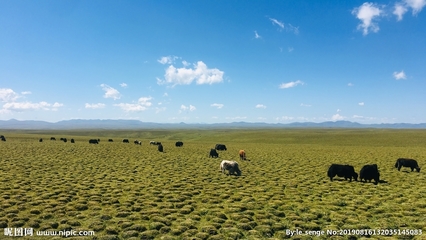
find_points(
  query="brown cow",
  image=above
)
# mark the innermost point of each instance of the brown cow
(242, 154)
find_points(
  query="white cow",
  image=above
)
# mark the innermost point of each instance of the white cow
(231, 166)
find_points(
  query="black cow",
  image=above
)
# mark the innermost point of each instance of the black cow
(126, 140)
(179, 144)
(220, 147)
(64, 139)
(3, 138)
(110, 140)
(93, 141)
(137, 142)
(346, 171)
(160, 148)
(369, 172)
(72, 140)
(40, 140)
(213, 153)
(52, 138)
(407, 162)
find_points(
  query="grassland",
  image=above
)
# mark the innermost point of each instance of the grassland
(127, 191)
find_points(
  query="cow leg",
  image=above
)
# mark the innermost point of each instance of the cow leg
(412, 169)
(399, 167)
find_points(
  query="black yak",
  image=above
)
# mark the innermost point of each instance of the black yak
(160, 148)
(407, 162)
(213, 153)
(220, 147)
(93, 141)
(179, 144)
(346, 171)
(370, 172)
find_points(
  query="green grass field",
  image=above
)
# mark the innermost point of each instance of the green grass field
(127, 191)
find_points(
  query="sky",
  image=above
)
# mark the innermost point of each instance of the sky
(213, 61)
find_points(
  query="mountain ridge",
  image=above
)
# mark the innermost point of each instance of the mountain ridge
(136, 124)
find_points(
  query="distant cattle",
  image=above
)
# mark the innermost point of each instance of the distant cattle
(93, 141)
(346, 171)
(126, 140)
(160, 148)
(64, 139)
(137, 142)
(110, 140)
(3, 138)
(242, 154)
(40, 140)
(230, 166)
(213, 153)
(179, 144)
(52, 138)
(72, 140)
(407, 162)
(154, 143)
(370, 172)
(220, 147)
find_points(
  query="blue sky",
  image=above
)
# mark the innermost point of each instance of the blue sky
(213, 61)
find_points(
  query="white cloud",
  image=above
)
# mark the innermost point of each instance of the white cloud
(287, 27)
(399, 75)
(217, 105)
(131, 107)
(94, 105)
(350, 84)
(260, 106)
(416, 5)
(145, 101)
(158, 110)
(276, 22)
(236, 118)
(8, 95)
(167, 59)
(165, 94)
(291, 84)
(142, 105)
(338, 110)
(290, 49)
(25, 106)
(201, 74)
(123, 85)
(305, 105)
(367, 13)
(257, 36)
(399, 11)
(110, 92)
(292, 28)
(284, 118)
(337, 117)
(185, 63)
(361, 103)
(185, 108)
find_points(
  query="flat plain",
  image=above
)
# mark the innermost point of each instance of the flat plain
(129, 191)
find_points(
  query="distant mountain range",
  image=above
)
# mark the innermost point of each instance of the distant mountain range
(136, 124)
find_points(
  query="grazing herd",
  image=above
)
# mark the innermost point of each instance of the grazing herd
(368, 172)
